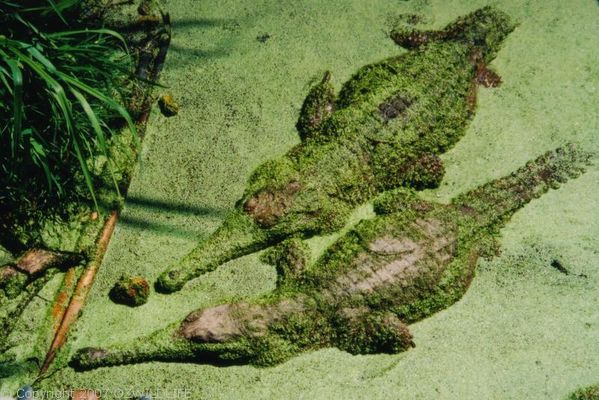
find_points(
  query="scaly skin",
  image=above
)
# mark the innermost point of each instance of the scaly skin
(384, 131)
(412, 260)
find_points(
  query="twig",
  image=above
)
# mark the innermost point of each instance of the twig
(81, 291)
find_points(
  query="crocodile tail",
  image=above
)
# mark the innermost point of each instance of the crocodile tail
(493, 204)
(485, 29)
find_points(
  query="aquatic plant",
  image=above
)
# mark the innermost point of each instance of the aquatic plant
(61, 87)
(413, 259)
(384, 130)
(60, 95)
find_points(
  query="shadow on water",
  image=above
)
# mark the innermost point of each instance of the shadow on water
(189, 52)
(11, 368)
(185, 49)
(201, 358)
(174, 207)
(150, 223)
(199, 23)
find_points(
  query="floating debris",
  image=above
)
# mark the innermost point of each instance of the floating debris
(263, 38)
(168, 106)
(130, 290)
(559, 266)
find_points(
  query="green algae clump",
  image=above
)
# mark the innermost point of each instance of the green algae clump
(588, 393)
(168, 106)
(12, 281)
(130, 290)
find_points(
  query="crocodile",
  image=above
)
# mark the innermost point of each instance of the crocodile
(384, 130)
(414, 258)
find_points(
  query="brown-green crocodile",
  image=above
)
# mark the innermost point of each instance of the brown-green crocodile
(384, 130)
(413, 259)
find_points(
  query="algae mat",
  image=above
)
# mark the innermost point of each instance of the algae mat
(240, 71)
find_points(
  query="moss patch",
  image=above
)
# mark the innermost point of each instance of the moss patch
(130, 290)
(589, 393)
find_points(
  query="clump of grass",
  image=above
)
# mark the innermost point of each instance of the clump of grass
(60, 91)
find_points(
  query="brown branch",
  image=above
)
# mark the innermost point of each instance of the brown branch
(61, 301)
(81, 291)
(35, 261)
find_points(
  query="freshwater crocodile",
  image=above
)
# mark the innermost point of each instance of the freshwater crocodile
(384, 130)
(413, 259)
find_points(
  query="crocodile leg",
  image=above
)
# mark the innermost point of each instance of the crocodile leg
(423, 172)
(317, 107)
(291, 258)
(362, 331)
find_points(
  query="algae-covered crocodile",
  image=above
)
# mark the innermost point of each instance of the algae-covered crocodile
(384, 130)
(411, 260)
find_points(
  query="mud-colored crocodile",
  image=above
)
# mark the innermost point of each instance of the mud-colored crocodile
(384, 130)
(411, 260)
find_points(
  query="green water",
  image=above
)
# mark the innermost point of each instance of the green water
(523, 330)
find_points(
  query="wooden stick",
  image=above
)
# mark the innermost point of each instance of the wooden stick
(81, 291)
(62, 299)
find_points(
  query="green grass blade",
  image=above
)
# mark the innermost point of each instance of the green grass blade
(3, 75)
(38, 154)
(29, 25)
(91, 116)
(35, 53)
(17, 79)
(105, 99)
(57, 11)
(84, 169)
(100, 31)
(95, 123)
(59, 97)
(72, 76)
